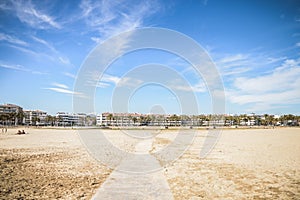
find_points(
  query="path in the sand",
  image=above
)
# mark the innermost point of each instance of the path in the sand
(124, 184)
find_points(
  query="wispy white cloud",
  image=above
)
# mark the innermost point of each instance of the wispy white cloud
(27, 13)
(233, 58)
(36, 54)
(13, 67)
(284, 98)
(69, 75)
(110, 79)
(235, 71)
(105, 81)
(64, 60)
(25, 50)
(49, 53)
(271, 60)
(55, 53)
(129, 82)
(179, 62)
(112, 17)
(61, 90)
(20, 68)
(280, 87)
(12, 39)
(239, 64)
(60, 85)
(234, 64)
(199, 87)
(281, 78)
(45, 43)
(96, 39)
(102, 85)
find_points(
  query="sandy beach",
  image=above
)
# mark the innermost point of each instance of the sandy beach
(245, 164)
(47, 164)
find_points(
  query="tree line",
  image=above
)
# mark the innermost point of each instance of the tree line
(11, 119)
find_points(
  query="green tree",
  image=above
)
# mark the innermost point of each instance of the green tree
(134, 119)
(110, 117)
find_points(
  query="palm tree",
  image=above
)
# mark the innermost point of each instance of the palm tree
(134, 119)
(265, 120)
(271, 120)
(4, 118)
(110, 117)
(141, 119)
(59, 120)
(154, 120)
(35, 120)
(173, 119)
(228, 120)
(12, 118)
(49, 120)
(148, 119)
(20, 117)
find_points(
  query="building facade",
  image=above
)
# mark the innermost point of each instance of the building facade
(35, 117)
(11, 114)
(71, 119)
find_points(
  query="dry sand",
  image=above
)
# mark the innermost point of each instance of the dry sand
(245, 164)
(47, 164)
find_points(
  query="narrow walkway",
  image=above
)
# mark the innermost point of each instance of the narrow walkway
(148, 181)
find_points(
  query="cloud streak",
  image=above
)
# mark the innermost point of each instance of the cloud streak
(69, 75)
(60, 85)
(12, 40)
(199, 87)
(13, 67)
(20, 68)
(112, 17)
(27, 13)
(233, 65)
(62, 88)
(55, 53)
(281, 86)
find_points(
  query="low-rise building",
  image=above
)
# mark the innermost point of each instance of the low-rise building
(35, 117)
(11, 114)
(71, 119)
(119, 119)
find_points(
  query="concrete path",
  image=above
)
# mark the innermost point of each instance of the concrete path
(139, 176)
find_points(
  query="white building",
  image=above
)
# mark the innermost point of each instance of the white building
(35, 117)
(118, 119)
(11, 113)
(71, 119)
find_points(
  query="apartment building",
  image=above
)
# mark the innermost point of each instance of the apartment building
(35, 117)
(11, 114)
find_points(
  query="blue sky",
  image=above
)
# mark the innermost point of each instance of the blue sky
(254, 44)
